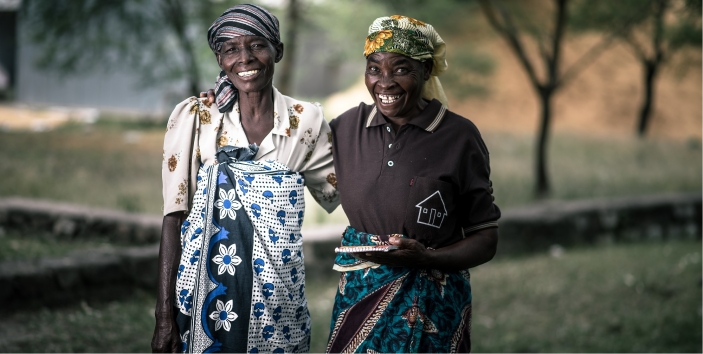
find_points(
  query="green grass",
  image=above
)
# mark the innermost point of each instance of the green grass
(113, 327)
(618, 298)
(105, 165)
(583, 166)
(16, 246)
(626, 298)
(117, 164)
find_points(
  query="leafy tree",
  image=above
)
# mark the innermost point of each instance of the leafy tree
(547, 28)
(653, 29)
(160, 39)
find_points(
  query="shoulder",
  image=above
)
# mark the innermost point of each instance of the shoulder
(453, 121)
(307, 114)
(193, 105)
(188, 109)
(353, 116)
(462, 130)
(300, 107)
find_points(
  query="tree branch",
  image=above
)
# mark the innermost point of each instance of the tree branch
(559, 23)
(586, 59)
(636, 47)
(509, 32)
(658, 29)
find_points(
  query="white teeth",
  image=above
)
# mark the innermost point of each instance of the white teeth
(388, 98)
(248, 73)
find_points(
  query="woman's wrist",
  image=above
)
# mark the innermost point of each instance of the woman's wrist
(428, 258)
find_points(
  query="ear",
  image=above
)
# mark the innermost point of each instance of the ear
(428, 65)
(219, 61)
(279, 52)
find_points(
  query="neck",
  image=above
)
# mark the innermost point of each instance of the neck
(256, 106)
(399, 121)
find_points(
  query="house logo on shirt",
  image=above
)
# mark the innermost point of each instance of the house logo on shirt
(432, 210)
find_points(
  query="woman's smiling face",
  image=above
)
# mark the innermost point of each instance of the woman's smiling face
(249, 62)
(395, 82)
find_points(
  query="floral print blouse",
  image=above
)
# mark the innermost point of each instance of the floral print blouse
(300, 139)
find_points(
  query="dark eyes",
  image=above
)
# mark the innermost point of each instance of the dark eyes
(396, 71)
(234, 49)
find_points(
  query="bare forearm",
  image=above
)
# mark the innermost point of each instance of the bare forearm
(169, 254)
(476, 249)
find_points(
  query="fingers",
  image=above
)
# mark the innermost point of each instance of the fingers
(211, 96)
(404, 243)
(203, 95)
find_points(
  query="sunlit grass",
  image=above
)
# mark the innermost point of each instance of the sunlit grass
(618, 298)
(583, 166)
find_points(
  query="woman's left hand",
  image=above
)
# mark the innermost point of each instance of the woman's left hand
(410, 253)
(210, 95)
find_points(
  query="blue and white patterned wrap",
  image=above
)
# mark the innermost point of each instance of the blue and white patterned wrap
(245, 222)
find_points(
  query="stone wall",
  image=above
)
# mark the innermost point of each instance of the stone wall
(69, 222)
(116, 272)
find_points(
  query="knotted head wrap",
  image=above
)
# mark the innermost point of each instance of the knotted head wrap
(414, 39)
(239, 20)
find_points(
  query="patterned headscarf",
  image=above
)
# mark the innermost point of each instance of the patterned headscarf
(239, 20)
(412, 38)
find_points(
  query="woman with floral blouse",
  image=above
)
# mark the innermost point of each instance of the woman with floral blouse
(231, 274)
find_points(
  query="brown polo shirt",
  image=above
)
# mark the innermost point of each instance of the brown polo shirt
(429, 181)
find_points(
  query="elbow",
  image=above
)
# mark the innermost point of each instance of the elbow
(491, 243)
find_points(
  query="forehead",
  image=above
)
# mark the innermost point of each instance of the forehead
(243, 40)
(390, 58)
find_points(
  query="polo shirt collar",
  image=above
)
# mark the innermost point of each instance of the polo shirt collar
(429, 119)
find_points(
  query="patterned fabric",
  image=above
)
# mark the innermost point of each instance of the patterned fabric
(394, 309)
(412, 38)
(300, 139)
(241, 279)
(239, 20)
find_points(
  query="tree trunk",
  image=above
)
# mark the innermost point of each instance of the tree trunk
(650, 73)
(285, 82)
(543, 185)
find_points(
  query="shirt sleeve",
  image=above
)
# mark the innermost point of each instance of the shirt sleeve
(476, 205)
(320, 177)
(178, 157)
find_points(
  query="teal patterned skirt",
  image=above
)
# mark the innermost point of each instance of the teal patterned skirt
(396, 309)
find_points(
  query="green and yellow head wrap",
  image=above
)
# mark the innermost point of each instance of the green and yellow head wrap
(414, 39)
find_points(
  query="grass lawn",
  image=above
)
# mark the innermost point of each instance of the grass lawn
(17, 246)
(619, 298)
(117, 164)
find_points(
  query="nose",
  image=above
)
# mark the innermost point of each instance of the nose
(386, 81)
(245, 56)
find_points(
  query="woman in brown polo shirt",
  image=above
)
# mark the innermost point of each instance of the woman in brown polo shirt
(413, 175)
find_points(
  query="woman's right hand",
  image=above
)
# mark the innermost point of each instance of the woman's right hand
(210, 95)
(166, 338)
